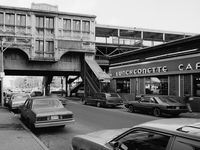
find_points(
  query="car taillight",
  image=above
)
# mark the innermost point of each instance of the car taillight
(67, 116)
(41, 118)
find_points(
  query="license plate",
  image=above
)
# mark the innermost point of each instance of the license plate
(177, 107)
(54, 117)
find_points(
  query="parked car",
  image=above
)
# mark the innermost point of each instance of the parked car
(103, 99)
(164, 134)
(40, 112)
(7, 96)
(157, 105)
(36, 93)
(16, 100)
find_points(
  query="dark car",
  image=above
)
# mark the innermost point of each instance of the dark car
(40, 112)
(163, 134)
(103, 100)
(157, 105)
(36, 93)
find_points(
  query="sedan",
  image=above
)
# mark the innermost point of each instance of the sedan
(40, 112)
(16, 100)
(157, 105)
(103, 100)
(164, 134)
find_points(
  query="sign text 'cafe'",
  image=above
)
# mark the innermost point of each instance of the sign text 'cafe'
(158, 69)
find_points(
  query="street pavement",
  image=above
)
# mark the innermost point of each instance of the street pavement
(14, 135)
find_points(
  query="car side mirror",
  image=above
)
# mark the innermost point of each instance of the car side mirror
(114, 144)
(118, 145)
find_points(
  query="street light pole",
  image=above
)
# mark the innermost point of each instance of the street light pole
(2, 74)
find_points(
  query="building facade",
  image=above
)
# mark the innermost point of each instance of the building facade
(170, 69)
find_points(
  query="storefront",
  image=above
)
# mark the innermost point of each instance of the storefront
(172, 76)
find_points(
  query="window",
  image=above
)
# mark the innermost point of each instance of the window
(86, 26)
(49, 46)
(123, 85)
(21, 20)
(186, 144)
(39, 45)
(10, 19)
(39, 22)
(156, 85)
(49, 23)
(144, 140)
(196, 85)
(66, 24)
(1, 18)
(76, 25)
(28, 20)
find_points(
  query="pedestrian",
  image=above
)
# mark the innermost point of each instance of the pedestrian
(187, 99)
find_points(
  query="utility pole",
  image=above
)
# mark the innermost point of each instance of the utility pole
(2, 73)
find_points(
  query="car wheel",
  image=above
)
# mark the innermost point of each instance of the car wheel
(31, 126)
(62, 126)
(156, 112)
(98, 104)
(131, 108)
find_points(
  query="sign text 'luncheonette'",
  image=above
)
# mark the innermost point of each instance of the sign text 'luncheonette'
(159, 69)
(142, 71)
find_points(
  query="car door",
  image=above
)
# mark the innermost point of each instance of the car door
(141, 139)
(144, 104)
(24, 108)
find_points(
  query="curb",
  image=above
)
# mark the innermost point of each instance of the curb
(43, 146)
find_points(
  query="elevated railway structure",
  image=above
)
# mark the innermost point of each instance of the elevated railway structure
(115, 40)
(43, 41)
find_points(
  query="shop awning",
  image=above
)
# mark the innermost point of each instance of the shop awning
(100, 74)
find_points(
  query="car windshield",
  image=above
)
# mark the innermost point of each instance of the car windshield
(112, 95)
(46, 103)
(167, 100)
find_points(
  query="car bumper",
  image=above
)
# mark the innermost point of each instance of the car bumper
(53, 123)
(174, 111)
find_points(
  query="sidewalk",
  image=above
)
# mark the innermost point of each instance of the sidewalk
(15, 136)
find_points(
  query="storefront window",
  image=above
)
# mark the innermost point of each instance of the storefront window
(156, 85)
(196, 83)
(123, 86)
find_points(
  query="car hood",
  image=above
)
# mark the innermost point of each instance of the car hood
(51, 111)
(99, 138)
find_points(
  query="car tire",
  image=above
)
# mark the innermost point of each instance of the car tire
(31, 126)
(98, 104)
(131, 108)
(62, 126)
(156, 112)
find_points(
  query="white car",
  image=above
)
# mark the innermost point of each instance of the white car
(164, 134)
(17, 100)
(39, 112)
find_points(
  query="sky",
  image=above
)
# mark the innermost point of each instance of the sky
(168, 15)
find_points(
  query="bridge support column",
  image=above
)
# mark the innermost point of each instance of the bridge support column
(46, 84)
(67, 86)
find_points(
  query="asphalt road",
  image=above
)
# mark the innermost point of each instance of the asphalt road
(89, 119)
